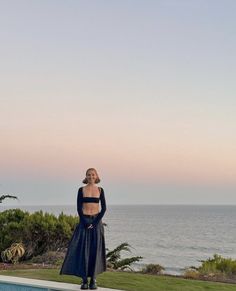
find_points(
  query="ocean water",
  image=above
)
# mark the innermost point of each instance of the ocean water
(174, 236)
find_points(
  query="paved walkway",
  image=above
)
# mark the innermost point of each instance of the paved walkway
(50, 285)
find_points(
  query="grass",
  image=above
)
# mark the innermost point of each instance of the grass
(126, 281)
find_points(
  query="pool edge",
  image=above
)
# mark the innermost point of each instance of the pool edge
(50, 285)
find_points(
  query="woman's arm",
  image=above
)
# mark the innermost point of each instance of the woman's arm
(79, 207)
(103, 208)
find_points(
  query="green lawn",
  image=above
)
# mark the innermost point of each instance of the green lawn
(126, 281)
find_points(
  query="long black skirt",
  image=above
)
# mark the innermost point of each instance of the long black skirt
(86, 253)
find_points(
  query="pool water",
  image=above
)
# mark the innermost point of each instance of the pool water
(15, 287)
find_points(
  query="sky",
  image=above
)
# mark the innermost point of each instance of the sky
(144, 91)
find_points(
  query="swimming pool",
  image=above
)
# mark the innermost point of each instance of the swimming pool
(10, 283)
(14, 287)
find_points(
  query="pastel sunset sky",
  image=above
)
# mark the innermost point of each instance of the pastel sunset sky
(144, 91)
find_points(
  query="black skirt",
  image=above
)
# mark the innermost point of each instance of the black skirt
(86, 253)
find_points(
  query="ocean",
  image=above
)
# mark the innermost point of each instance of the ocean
(174, 236)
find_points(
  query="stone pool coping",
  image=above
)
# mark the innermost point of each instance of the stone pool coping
(50, 285)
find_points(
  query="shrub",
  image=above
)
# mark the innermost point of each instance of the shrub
(153, 269)
(13, 253)
(50, 257)
(191, 274)
(218, 265)
(11, 227)
(39, 232)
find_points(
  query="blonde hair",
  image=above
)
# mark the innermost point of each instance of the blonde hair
(85, 181)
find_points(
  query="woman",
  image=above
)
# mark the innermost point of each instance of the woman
(86, 255)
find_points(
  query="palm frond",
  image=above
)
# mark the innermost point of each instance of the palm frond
(122, 247)
(7, 196)
(127, 261)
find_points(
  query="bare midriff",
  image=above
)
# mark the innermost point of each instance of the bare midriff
(90, 208)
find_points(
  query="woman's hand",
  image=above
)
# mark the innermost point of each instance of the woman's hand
(90, 226)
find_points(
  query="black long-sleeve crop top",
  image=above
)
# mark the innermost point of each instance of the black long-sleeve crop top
(81, 199)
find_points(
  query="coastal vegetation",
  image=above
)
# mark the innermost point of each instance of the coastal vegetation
(153, 269)
(216, 268)
(13, 253)
(114, 260)
(44, 237)
(39, 240)
(38, 232)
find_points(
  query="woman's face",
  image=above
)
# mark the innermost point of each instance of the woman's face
(91, 176)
